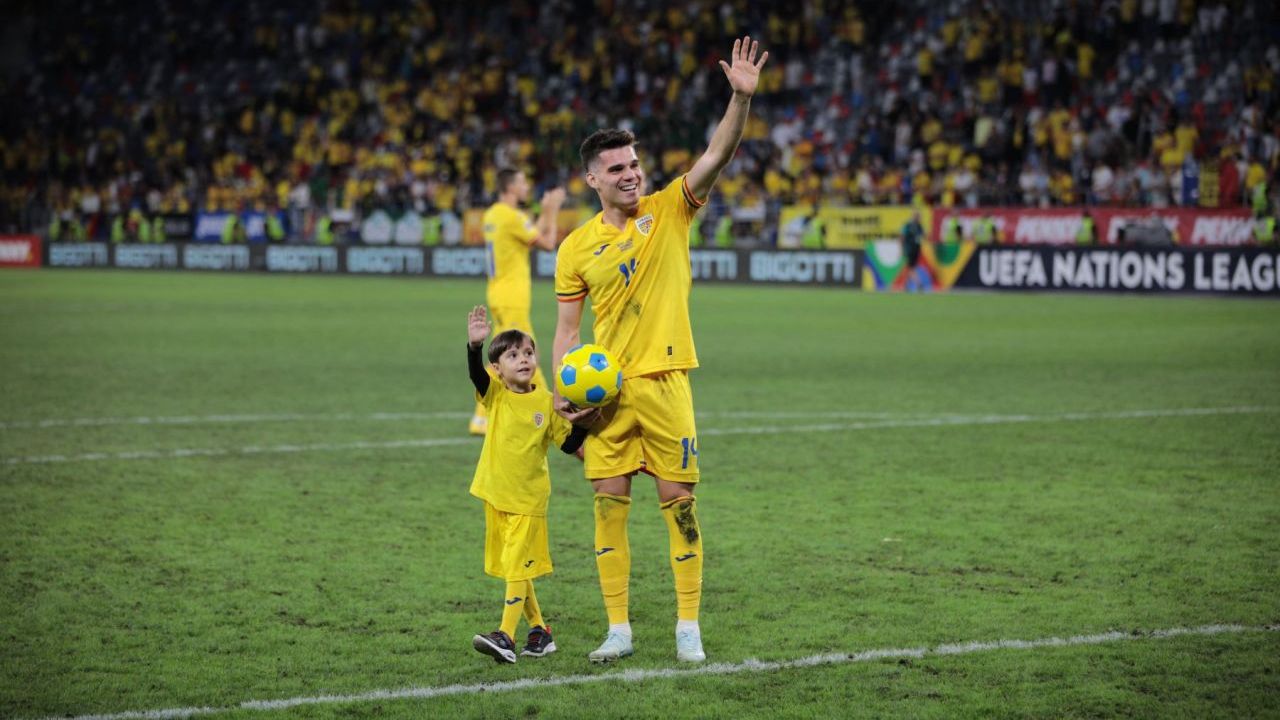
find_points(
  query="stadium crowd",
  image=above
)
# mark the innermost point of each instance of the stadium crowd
(309, 107)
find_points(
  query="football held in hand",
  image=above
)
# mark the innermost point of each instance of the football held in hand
(589, 376)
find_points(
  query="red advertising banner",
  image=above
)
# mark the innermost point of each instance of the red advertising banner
(1059, 226)
(19, 251)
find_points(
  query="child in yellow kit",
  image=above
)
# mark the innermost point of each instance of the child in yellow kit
(512, 478)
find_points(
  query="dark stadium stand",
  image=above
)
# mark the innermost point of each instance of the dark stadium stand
(310, 108)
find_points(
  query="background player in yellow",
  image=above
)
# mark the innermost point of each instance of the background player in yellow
(509, 233)
(632, 259)
(512, 479)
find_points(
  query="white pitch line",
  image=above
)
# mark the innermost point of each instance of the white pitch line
(643, 675)
(251, 450)
(215, 419)
(949, 420)
(938, 421)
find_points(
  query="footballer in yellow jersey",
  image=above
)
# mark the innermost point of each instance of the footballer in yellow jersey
(512, 478)
(509, 234)
(632, 260)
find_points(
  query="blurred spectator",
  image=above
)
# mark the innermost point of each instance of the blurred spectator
(365, 104)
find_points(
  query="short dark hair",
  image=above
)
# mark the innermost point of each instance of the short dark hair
(506, 176)
(601, 140)
(506, 340)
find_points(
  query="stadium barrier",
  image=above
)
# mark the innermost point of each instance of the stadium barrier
(790, 267)
(966, 265)
(1059, 226)
(1247, 271)
(881, 267)
(20, 251)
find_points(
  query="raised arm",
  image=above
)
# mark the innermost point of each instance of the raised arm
(477, 331)
(548, 230)
(743, 76)
(568, 327)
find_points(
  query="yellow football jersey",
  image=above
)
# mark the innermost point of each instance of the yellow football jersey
(508, 231)
(638, 279)
(512, 473)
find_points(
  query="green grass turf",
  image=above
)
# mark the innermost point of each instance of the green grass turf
(207, 581)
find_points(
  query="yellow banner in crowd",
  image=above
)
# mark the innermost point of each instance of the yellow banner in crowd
(847, 227)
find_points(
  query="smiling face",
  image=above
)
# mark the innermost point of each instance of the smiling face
(617, 177)
(516, 365)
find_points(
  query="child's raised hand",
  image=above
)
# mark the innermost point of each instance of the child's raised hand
(477, 325)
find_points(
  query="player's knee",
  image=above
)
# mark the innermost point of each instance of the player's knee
(669, 491)
(609, 506)
(618, 486)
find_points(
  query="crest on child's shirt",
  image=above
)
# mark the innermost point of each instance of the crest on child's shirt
(537, 419)
(644, 224)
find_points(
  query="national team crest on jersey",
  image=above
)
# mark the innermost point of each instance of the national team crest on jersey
(645, 224)
(537, 419)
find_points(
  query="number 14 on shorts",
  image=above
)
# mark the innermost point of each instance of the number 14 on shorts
(690, 445)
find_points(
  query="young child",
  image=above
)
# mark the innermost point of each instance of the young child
(512, 479)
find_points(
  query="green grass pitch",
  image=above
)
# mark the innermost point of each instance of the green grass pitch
(221, 488)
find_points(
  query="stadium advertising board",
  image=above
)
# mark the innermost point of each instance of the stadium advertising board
(1233, 270)
(209, 226)
(178, 227)
(1059, 226)
(833, 267)
(150, 257)
(20, 251)
(79, 255)
(715, 265)
(386, 260)
(803, 267)
(885, 267)
(465, 262)
(848, 228)
(216, 257)
(302, 259)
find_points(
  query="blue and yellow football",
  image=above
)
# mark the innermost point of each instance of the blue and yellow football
(589, 376)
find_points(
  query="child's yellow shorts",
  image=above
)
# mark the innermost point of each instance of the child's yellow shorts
(515, 546)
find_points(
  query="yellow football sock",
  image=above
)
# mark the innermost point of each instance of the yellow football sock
(532, 611)
(613, 553)
(686, 554)
(514, 607)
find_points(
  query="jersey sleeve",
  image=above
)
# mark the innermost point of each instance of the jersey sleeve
(491, 395)
(570, 286)
(559, 430)
(522, 227)
(679, 198)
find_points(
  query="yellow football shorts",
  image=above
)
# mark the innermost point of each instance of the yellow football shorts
(511, 318)
(651, 427)
(515, 546)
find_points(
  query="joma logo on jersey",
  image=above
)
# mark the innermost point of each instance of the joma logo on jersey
(645, 224)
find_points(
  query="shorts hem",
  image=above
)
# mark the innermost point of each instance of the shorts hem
(519, 577)
(613, 472)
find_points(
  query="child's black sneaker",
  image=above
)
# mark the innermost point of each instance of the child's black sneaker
(497, 645)
(539, 643)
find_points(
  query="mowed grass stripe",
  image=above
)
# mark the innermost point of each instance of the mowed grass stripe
(377, 416)
(937, 421)
(645, 675)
